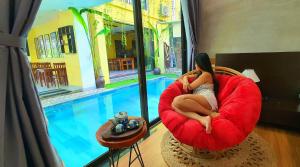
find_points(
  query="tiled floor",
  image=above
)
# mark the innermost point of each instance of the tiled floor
(46, 92)
(116, 74)
(68, 97)
(125, 77)
(45, 89)
(76, 92)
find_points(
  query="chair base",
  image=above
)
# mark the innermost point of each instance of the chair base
(201, 153)
(253, 152)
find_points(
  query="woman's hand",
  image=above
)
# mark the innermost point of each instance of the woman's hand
(181, 80)
(185, 87)
(185, 84)
(185, 79)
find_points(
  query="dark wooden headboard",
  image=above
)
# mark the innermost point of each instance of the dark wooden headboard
(279, 72)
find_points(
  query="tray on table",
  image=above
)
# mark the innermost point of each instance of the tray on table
(109, 135)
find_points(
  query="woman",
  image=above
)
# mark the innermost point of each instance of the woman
(203, 100)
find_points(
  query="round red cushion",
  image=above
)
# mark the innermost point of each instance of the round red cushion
(239, 101)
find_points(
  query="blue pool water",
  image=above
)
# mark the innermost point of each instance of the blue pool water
(73, 125)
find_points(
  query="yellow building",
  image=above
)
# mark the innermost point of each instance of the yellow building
(161, 16)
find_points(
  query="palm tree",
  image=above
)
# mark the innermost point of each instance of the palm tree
(157, 37)
(105, 31)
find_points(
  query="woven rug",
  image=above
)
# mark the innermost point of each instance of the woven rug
(253, 152)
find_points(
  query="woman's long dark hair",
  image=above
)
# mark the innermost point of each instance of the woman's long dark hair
(203, 61)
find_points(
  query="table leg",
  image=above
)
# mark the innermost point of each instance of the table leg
(111, 157)
(121, 65)
(130, 156)
(138, 155)
(132, 64)
(118, 158)
(40, 78)
(138, 149)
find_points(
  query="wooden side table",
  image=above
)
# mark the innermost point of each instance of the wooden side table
(117, 145)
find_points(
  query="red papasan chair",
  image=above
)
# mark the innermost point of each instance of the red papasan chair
(239, 101)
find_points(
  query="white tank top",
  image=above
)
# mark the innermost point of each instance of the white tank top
(207, 91)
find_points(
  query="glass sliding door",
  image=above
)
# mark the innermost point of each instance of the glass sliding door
(87, 72)
(162, 47)
(84, 75)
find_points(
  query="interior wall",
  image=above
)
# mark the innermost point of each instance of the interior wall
(235, 26)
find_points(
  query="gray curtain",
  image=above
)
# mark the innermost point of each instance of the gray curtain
(191, 17)
(23, 131)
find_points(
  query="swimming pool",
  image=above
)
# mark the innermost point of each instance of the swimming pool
(73, 125)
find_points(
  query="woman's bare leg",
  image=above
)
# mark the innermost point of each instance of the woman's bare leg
(194, 103)
(204, 120)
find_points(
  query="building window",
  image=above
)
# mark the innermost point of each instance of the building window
(127, 1)
(144, 3)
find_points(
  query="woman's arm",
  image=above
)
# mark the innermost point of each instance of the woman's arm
(195, 74)
(184, 80)
(203, 78)
(191, 75)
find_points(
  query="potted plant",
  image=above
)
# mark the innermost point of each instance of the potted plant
(99, 78)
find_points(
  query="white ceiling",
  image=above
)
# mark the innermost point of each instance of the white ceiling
(49, 8)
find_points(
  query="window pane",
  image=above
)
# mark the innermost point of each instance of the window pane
(162, 41)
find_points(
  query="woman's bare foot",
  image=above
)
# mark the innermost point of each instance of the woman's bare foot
(214, 114)
(206, 121)
(208, 124)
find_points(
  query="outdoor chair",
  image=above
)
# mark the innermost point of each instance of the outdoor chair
(34, 67)
(61, 73)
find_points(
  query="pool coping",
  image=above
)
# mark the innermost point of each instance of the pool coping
(74, 96)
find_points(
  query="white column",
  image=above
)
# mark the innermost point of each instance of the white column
(163, 38)
(85, 56)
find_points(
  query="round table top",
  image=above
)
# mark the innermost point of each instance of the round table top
(122, 143)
